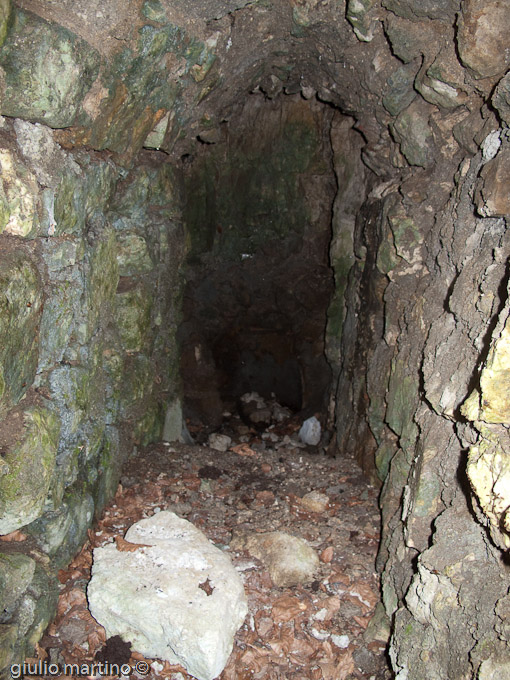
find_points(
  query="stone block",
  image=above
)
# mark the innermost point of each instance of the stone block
(31, 462)
(20, 199)
(21, 300)
(133, 309)
(16, 573)
(362, 15)
(62, 533)
(482, 36)
(493, 197)
(501, 98)
(175, 597)
(132, 255)
(48, 70)
(414, 134)
(5, 10)
(400, 90)
(289, 560)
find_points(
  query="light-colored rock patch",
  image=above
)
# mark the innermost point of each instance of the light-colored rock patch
(288, 559)
(315, 501)
(219, 442)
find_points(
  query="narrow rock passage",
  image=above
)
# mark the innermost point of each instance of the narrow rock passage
(322, 629)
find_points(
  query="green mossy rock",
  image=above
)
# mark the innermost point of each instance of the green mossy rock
(61, 534)
(133, 255)
(145, 92)
(48, 71)
(84, 189)
(102, 281)
(383, 455)
(21, 300)
(5, 11)
(405, 235)
(387, 258)
(23, 490)
(20, 198)
(8, 640)
(133, 318)
(74, 390)
(411, 129)
(150, 427)
(16, 574)
(359, 16)
(135, 384)
(400, 90)
(402, 400)
(58, 318)
(154, 11)
(109, 464)
(442, 83)
(37, 610)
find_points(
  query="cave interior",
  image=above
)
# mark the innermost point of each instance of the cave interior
(308, 200)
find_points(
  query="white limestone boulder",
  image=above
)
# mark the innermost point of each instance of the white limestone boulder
(179, 600)
(310, 432)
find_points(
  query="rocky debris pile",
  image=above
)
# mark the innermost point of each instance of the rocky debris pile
(259, 413)
(171, 593)
(276, 425)
(321, 624)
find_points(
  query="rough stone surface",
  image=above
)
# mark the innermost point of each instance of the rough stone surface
(310, 431)
(220, 442)
(289, 560)
(493, 198)
(175, 598)
(482, 36)
(315, 501)
(51, 94)
(25, 483)
(384, 211)
(501, 98)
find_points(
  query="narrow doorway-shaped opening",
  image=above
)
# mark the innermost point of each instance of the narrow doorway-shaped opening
(259, 199)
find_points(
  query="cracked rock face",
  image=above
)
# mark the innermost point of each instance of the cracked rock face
(170, 593)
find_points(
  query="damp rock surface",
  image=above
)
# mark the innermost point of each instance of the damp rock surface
(171, 593)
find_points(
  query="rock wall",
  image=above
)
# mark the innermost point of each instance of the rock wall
(417, 336)
(89, 270)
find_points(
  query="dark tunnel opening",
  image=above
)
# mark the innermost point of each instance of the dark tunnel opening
(255, 307)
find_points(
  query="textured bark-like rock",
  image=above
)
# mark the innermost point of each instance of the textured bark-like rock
(176, 597)
(493, 199)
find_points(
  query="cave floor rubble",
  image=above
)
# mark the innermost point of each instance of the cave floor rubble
(324, 629)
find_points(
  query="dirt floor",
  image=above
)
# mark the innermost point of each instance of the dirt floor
(321, 630)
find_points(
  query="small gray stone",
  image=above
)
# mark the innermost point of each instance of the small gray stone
(310, 432)
(219, 442)
(315, 501)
